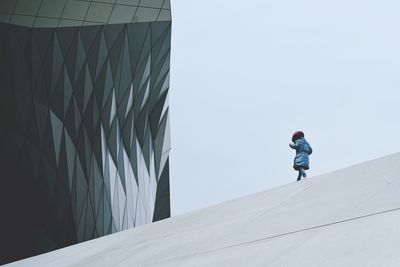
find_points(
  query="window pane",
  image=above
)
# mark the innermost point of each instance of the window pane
(75, 10)
(69, 23)
(99, 12)
(27, 7)
(165, 15)
(152, 3)
(22, 20)
(146, 14)
(122, 14)
(7, 6)
(45, 22)
(52, 8)
(128, 2)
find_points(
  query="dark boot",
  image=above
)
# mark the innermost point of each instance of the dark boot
(299, 176)
(303, 173)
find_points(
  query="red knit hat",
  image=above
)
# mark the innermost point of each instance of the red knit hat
(297, 135)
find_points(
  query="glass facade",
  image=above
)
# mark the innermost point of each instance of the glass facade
(62, 13)
(84, 122)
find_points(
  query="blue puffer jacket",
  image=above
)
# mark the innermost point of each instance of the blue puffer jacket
(303, 149)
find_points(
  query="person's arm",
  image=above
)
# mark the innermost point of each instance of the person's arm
(310, 152)
(293, 145)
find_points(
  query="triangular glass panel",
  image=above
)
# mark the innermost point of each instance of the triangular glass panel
(102, 54)
(57, 127)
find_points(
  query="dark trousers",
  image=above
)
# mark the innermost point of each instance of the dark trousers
(302, 173)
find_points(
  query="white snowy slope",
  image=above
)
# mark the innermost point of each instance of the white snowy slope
(349, 217)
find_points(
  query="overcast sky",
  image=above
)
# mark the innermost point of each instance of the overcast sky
(246, 74)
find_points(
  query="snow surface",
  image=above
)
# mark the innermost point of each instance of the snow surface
(349, 217)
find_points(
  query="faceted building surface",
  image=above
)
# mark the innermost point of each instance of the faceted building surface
(61, 13)
(84, 128)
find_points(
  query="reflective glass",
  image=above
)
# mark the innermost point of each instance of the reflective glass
(75, 9)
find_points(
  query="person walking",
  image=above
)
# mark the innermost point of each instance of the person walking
(303, 150)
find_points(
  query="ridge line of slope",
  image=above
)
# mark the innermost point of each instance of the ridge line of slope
(271, 208)
(260, 214)
(166, 235)
(284, 234)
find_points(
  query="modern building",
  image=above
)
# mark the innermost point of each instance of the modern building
(84, 124)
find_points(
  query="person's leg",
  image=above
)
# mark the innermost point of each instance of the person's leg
(299, 176)
(302, 173)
